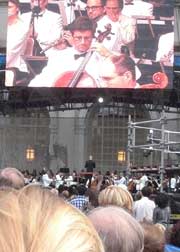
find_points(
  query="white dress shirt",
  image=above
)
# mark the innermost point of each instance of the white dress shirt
(62, 62)
(17, 34)
(143, 209)
(166, 48)
(138, 8)
(122, 32)
(48, 27)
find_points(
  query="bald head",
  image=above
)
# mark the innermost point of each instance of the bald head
(11, 177)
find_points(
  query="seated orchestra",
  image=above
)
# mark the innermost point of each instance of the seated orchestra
(91, 44)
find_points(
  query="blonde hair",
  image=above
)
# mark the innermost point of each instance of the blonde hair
(154, 237)
(36, 220)
(115, 195)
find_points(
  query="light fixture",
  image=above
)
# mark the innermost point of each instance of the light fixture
(30, 154)
(100, 99)
(121, 156)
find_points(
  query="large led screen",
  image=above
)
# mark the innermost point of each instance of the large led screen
(91, 44)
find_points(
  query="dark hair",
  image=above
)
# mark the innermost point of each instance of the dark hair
(16, 2)
(81, 189)
(120, 3)
(162, 200)
(82, 23)
(174, 238)
(124, 63)
(146, 191)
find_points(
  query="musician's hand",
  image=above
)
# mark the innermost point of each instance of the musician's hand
(103, 51)
(67, 35)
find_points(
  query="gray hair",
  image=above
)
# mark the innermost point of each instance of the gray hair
(119, 231)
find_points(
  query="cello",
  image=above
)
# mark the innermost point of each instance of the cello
(160, 82)
(72, 79)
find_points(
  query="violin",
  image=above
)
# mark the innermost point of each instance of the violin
(160, 82)
(80, 78)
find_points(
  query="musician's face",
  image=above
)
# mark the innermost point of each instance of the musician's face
(82, 40)
(42, 3)
(112, 10)
(12, 9)
(94, 9)
(111, 79)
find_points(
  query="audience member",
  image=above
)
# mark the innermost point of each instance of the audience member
(117, 196)
(154, 238)
(80, 200)
(119, 231)
(36, 220)
(162, 211)
(143, 208)
(173, 238)
(11, 177)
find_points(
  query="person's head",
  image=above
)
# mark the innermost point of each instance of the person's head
(41, 3)
(36, 220)
(162, 200)
(118, 72)
(113, 9)
(81, 189)
(119, 231)
(13, 8)
(82, 30)
(95, 9)
(146, 191)
(173, 235)
(154, 238)
(117, 196)
(11, 177)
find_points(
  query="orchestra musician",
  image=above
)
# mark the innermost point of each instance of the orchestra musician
(45, 26)
(63, 63)
(119, 71)
(137, 8)
(123, 27)
(95, 9)
(165, 52)
(16, 41)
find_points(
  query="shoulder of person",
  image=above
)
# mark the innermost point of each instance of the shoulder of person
(127, 20)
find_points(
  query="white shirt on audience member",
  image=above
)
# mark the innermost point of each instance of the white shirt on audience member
(143, 209)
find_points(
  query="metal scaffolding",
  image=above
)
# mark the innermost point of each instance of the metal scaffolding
(162, 144)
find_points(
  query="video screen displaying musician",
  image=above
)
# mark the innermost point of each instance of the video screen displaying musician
(91, 43)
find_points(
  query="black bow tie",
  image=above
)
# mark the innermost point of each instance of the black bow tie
(77, 56)
(129, 4)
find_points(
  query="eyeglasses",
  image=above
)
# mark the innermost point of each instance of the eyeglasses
(80, 38)
(93, 7)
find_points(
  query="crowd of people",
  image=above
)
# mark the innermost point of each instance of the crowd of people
(105, 217)
(102, 34)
